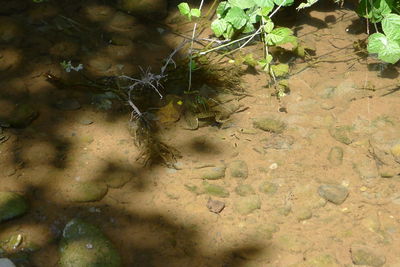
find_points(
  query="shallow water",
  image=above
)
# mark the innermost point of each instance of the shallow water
(149, 213)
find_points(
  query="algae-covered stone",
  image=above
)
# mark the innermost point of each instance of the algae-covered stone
(335, 156)
(84, 245)
(268, 188)
(269, 125)
(396, 152)
(12, 205)
(86, 191)
(246, 205)
(22, 116)
(117, 179)
(324, 260)
(362, 255)
(145, 7)
(244, 190)
(194, 189)
(239, 169)
(336, 194)
(344, 134)
(304, 214)
(212, 173)
(215, 190)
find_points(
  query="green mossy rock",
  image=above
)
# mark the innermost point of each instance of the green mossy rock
(246, 205)
(85, 191)
(268, 188)
(215, 190)
(84, 245)
(239, 169)
(335, 156)
(212, 173)
(244, 190)
(269, 125)
(22, 116)
(343, 134)
(12, 205)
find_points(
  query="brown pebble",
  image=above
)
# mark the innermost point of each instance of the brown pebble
(215, 206)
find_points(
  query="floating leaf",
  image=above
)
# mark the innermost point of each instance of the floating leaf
(278, 36)
(265, 3)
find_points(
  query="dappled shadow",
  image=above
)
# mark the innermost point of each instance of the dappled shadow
(52, 117)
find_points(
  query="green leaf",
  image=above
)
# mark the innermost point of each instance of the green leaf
(222, 8)
(307, 4)
(285, 3)
(280, 70)
(236, 17)
(375, 12)
(195, 12)
(184, 8)
(243, 4)
(269, 26)
(219, 26)
(391, 26)
(229, 32)
(387, 49)
(278, 36)
(264, 63)
(249, 27)
(265, 3)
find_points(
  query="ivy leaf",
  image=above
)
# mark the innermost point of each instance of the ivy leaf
(391, 26)
(243, 4)
(285, 3)
(236, 17)
(222, 8)
(184, 8)
(388, 50)
(219, 26)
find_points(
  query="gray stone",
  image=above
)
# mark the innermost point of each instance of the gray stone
(335, 156)
(85, 191)
(268, 188)
(336, 194)
(4, 262)
(67, 104)
(212, 173)
(150, 8)
(269, 125)
(239, 169)
(84, 245)
(244, 190)
(246, 205)
(12, 205)
(363, 255)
